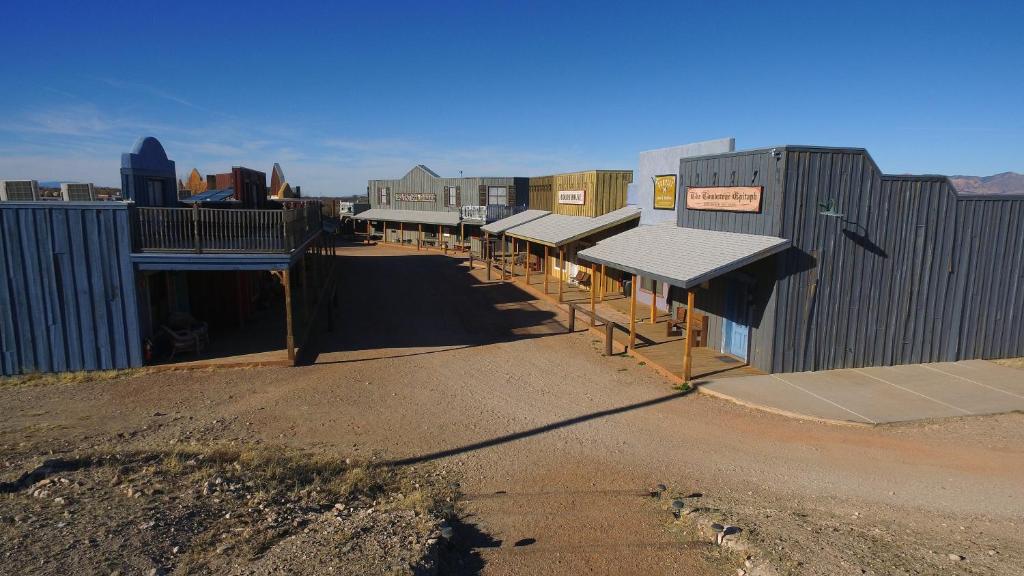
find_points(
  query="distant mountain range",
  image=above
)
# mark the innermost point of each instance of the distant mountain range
(1005, 183)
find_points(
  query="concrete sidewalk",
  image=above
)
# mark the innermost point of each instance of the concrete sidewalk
(881, 395)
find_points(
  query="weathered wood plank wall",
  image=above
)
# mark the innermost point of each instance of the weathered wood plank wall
(67, 292)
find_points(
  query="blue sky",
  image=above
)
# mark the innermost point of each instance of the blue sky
(342, 92)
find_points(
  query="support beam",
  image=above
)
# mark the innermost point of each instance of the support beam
(462, 236)
(385, 232)
(401, 233)
(440, 239)
(526, 259)
(486, 248)
(545, 270)
(419, 243)
(286, 280)
(688, 341)
(561, 271)
(593, 295)
(654, 301)
(604, 280)
(632, 313)
(512, 265)
(502, 256)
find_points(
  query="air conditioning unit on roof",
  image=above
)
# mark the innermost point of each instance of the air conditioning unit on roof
(77, 192)
(19, 190)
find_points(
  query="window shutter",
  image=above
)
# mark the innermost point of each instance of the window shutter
(511, 195)
(483, 195)
(458, 196)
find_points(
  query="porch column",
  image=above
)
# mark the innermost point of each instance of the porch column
(527, 260)
(440, 239)
(593, 296)
(289, 331)
(401, 233)
(561, 271)
(502, 256)
(486, 253)
(369, 228)
(654, 301)
(462, 235)
(688, 341)
(604, 280)
(632, 313)
(385, 232)
(544, 269)
(512, 266)
(419, 243)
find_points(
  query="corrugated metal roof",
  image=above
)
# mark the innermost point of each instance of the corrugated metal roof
(683, 257)
(410, 216)
(499, 226)
(558, 229)
(223, 195)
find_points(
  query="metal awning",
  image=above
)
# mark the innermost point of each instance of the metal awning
(684, 257)
(435, 217)
(558, 229)
(499, 226)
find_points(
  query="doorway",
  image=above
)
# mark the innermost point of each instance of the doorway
(736, 324)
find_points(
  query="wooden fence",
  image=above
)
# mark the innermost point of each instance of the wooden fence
(224, 229)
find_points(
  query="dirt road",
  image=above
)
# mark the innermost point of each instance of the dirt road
(557, 446)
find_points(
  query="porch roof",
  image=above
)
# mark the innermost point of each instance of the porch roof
(558, 229)
(684, 257)
(435, 217)
(499, 226)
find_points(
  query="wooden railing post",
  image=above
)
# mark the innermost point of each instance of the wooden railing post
(609, 337)
(572, 318)
(196, 243)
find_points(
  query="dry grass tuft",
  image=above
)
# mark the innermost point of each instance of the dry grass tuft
(37, 379)
(1011, 362)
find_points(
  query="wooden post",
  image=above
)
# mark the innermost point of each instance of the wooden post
(462, 236)
(289, 331)
(632, 313)
(688, 341)
(512, 265)
(486, 249)
(385, 241)
(544, 269)
(604, 280)
(654, 301)
(572, 318)
(502, 256)
(527, 261)
(419, 243)
(593, 289)
(401, 233)
(561, 271)
(609, 337)
(440, 239)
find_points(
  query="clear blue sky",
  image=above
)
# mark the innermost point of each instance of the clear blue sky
(339, 93)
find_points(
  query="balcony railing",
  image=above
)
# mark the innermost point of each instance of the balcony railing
(201, 230)
(490, 213)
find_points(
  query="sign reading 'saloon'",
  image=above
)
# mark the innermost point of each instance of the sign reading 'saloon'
(417, 197)
(724, 198)
(577, 197)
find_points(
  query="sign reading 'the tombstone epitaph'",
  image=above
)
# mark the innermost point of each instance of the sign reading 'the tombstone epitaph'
(577, 197)
(417, 197)
(724, 198)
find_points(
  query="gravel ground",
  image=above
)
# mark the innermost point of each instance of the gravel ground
(557, 447)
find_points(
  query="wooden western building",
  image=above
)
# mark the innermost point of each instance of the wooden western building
(807, 258)
(424, 209)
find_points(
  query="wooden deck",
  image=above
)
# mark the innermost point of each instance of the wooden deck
(663, 353)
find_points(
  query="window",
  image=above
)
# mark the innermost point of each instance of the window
(382, 196)
(646, 284)
(497, 195)
(451, 196)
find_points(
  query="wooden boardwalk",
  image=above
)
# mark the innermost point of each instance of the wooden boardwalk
(663, 353)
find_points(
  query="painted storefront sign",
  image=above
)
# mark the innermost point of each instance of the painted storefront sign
(417, 197)
(665, 192)
(724, 198)
(575, 197)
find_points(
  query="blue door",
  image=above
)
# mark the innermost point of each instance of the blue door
(735, 329)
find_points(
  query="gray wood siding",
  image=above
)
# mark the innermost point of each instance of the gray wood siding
(419, 180)
(67, 290)
(912, 273)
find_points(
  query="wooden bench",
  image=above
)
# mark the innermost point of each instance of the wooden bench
(679, 322)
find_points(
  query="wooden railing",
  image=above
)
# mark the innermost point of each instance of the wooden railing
(224, 230)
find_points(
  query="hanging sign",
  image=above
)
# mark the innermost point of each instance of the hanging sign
(724, 198)
(417, 197)
(577, 197)
(665, 192)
